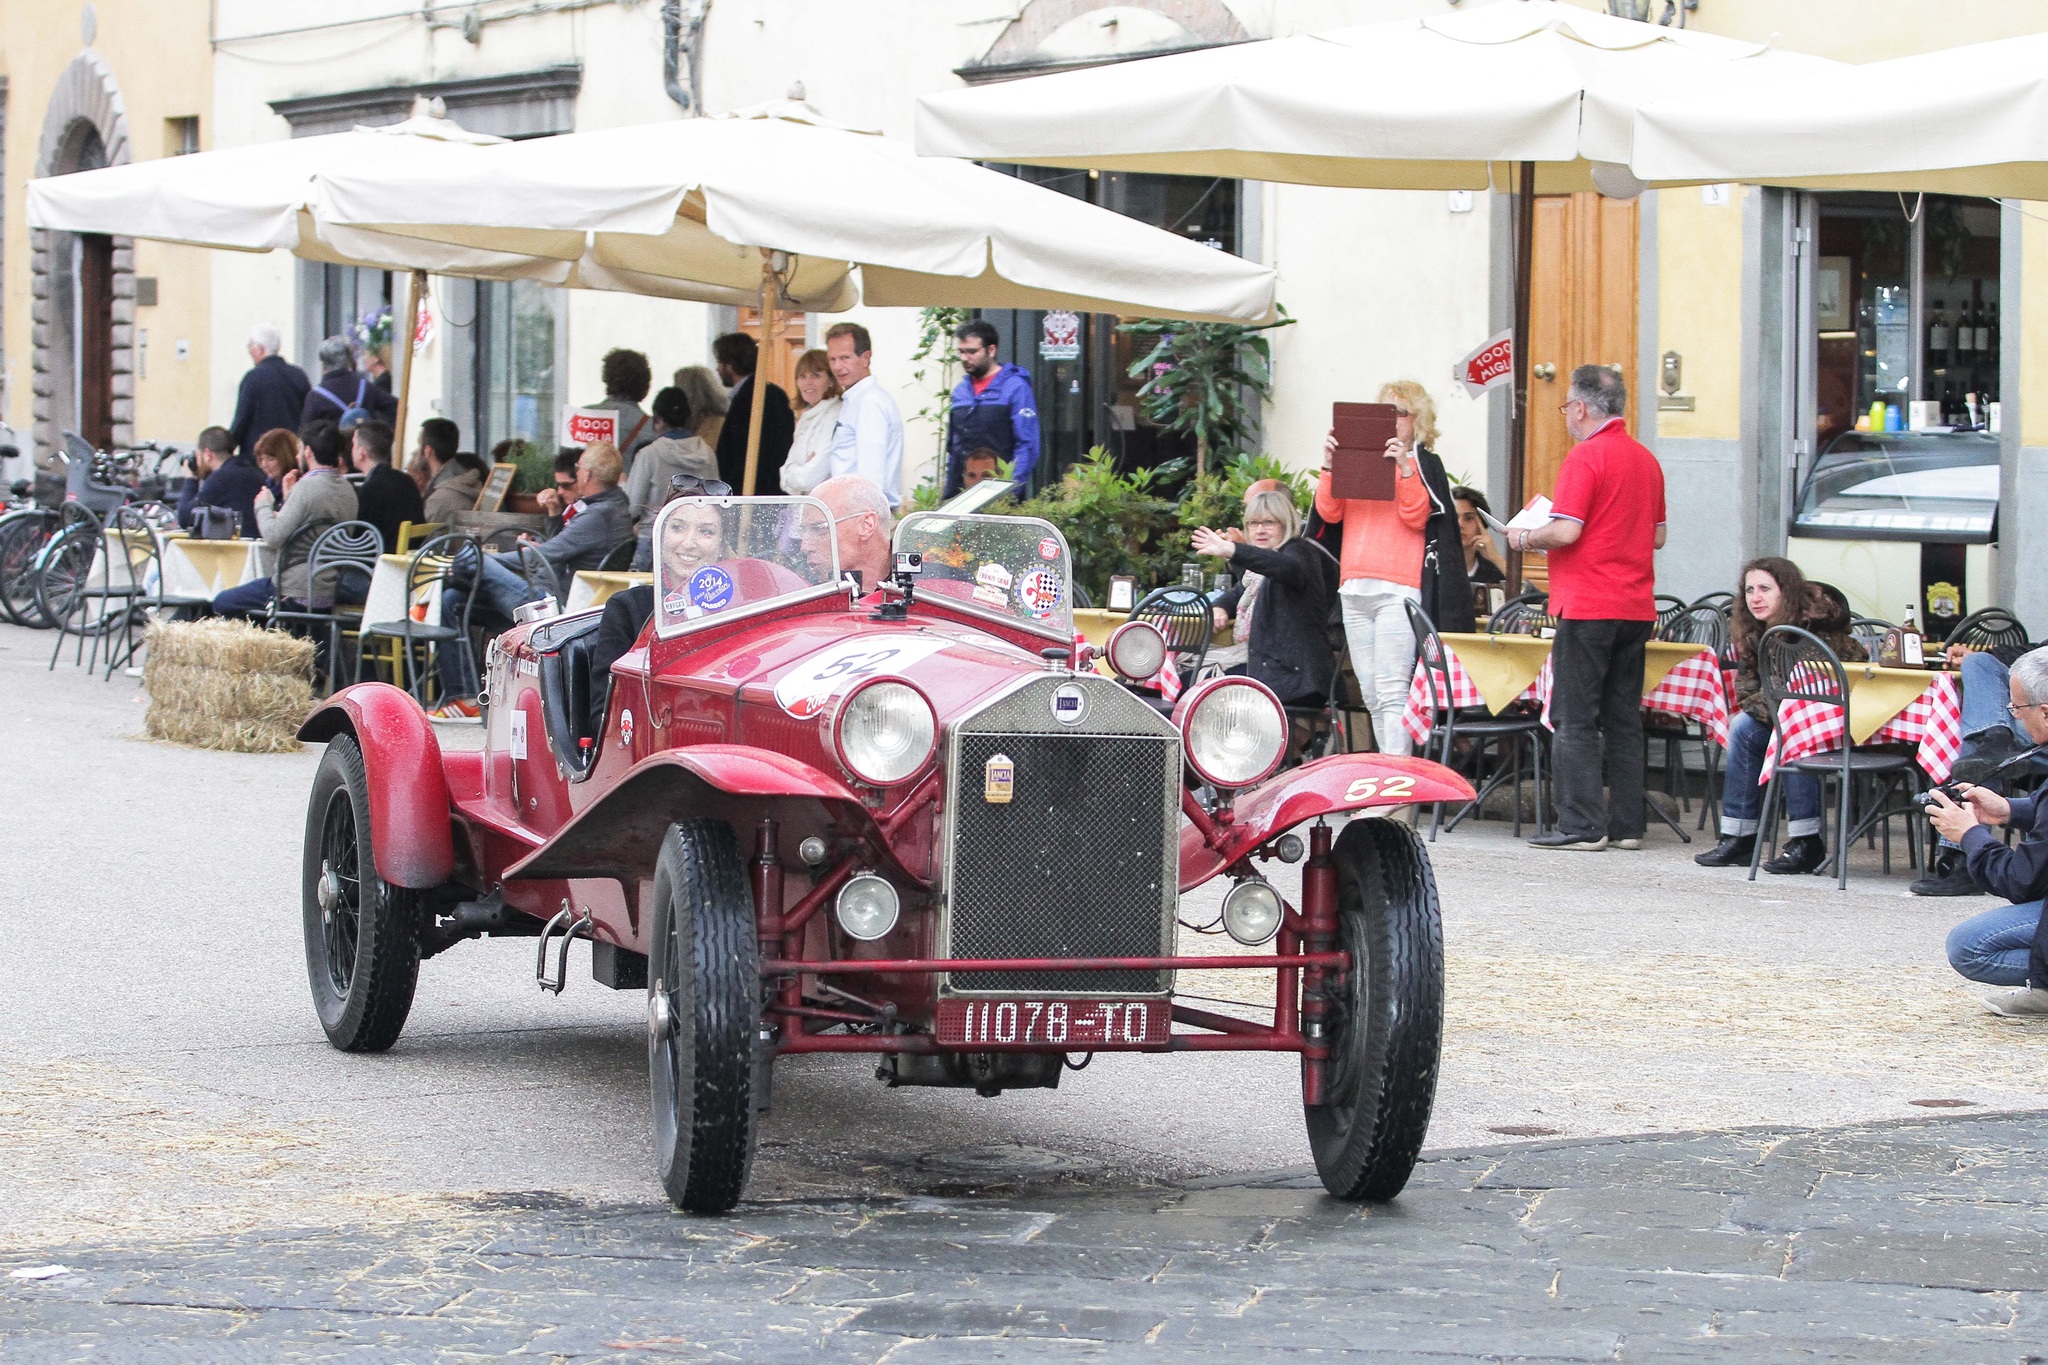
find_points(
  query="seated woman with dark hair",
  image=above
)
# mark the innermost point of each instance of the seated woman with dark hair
(1282, 607)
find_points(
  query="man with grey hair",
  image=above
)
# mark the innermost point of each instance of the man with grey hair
(273, 392)
(345, 394)
(861, 525)
(2005, 947)
(1606, 526)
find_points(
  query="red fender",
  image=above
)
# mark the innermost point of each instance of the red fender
(1343, 783)
(410, 826)
(619, 835)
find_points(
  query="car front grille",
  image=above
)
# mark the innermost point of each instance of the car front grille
(1082, 861)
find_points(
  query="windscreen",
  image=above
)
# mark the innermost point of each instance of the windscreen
(721, 557)
(1013, 567)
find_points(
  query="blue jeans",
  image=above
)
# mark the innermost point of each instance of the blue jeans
(1742, 800)
(499, 592)
(1992, 947)
(247, 599)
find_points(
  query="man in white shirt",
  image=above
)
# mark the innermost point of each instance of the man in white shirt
(868, 440)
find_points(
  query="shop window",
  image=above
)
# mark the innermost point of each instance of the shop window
(516, 331)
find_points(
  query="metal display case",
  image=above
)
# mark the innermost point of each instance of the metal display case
(1934, 487)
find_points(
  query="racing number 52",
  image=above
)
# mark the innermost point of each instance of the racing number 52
(1391, 788)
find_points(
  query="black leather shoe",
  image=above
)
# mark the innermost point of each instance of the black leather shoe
(1950, 876)
(1803, 854)
(1734, 850)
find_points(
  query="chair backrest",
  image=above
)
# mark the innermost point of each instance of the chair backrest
(538, 573)
(345, 543)
(411, 533)
(1182, 616)
(1870, 633)
(1797, 665)
(1430, 653)
(1699, 624)
(130, 527)
(431, 564)
(1528, 614)
(1988, 629)
(619, 558)
(1669, 609)
(296, 550)
(1724, 600)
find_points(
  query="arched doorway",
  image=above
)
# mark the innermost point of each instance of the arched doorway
(84, 287)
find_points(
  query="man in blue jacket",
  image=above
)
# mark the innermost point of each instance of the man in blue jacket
(272, 395)
(2005, 947)
(993, 408)
(218, 477)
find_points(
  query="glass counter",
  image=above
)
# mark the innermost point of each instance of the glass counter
(1929, 486)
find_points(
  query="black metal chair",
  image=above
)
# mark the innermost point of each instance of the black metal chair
(136, 528)
(425, 573)
(539, 574)
(1669, 609)
(619, 559)
(1447, 724)
(1869, 632)
(1989, 629)
(1528, 614)
(1704, 624)
(1183, 617)
(336, 548)
(1796, 665)
(1724, 600)
(75, 587)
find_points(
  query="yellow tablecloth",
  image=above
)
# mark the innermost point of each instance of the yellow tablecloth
(203, 568)
(1877, 694)
(1503, 667)
(594, 587)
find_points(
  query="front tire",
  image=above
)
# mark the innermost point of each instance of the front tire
(1386, 1018)
(362, 933)
(703, 1016)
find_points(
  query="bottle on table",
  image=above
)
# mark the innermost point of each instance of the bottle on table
(1912, 646)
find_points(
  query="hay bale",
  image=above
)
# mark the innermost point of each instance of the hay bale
(227, 685)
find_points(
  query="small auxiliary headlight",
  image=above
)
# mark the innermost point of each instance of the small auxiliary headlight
(867, 907)
(1251, 912)
(1136, 650)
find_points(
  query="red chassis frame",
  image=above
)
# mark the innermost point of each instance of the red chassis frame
(1305, 955)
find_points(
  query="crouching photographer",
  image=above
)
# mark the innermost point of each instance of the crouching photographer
(2004, 947)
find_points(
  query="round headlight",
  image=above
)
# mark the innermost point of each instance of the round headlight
(1251, 912)
(886, 732)
(867, 907)
(1235, 729)
(1136, 650)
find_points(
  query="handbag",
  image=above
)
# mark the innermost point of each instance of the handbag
(216, 523)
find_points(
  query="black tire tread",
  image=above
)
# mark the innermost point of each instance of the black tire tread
(1403, 926)
(387, 965)
(16, 527)
(702, 872)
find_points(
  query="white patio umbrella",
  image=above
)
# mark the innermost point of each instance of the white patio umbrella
(259, 198)
(1965, 120)
(780, 205)
(1538, 95)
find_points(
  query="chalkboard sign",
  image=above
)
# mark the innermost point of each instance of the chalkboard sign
(496, 487)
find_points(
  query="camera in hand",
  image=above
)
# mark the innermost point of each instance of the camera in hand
(1989, 759)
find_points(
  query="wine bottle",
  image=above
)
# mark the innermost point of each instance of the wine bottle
(1987, 328)
(1912, 651)
(1937, 336)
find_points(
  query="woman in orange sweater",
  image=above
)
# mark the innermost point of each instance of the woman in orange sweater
(1381, 571)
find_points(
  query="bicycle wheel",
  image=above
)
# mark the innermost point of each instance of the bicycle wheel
(63, 572)
(22, 537)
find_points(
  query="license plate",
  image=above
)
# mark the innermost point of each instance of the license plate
(1076, 1024)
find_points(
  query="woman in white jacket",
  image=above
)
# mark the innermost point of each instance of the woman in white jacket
(817, 396)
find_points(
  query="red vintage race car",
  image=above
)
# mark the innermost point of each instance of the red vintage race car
(906, 821)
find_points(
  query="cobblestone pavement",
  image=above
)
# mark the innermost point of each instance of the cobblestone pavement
(1915, 1241)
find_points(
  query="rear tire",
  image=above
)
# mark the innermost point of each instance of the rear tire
(703, 1016)
(22, 537)
(1386, 1018)
(362, 933)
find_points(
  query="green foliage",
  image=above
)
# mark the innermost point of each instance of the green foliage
(536, 467)
(1200, 378)
(1216, 499)
(934, 355)
(924, 497)
(1114, 523)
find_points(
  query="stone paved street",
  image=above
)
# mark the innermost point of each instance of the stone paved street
(1916, 1241)
(226, 1186)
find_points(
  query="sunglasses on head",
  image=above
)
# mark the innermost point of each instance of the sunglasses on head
(696, 486)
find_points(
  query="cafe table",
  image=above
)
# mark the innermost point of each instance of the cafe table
(595, 587)
(1917, 706)
(207, 568)
(385, 601)
(1494, 671)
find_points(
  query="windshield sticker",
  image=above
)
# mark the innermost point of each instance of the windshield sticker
(993, 575)
(710, 589)
(1048, 548)
(811, 683)
(1038, 592)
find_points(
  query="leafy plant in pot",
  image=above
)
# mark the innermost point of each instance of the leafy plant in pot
(1200, 379)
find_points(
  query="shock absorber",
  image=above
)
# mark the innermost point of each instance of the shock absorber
(1319, 935)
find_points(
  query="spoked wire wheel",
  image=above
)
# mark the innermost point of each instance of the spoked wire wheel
(68, 566)
(362, 933)
(22, 537)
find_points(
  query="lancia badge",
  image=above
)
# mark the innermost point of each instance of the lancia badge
(1068, 702)
(998, 780)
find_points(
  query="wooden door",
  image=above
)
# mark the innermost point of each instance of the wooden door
(1582, 311)
(778, 361)
(95, 340)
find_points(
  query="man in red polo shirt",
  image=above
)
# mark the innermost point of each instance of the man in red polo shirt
(1606, 526)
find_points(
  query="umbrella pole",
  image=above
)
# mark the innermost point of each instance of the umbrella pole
(1518, 429)
(755, 409)
(412, 330)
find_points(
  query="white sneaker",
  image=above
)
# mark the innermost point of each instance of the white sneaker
(1626, 845)
(2019, 1002)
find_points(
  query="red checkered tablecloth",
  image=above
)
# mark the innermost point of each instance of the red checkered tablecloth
(1693, 688)
(1932, 722)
